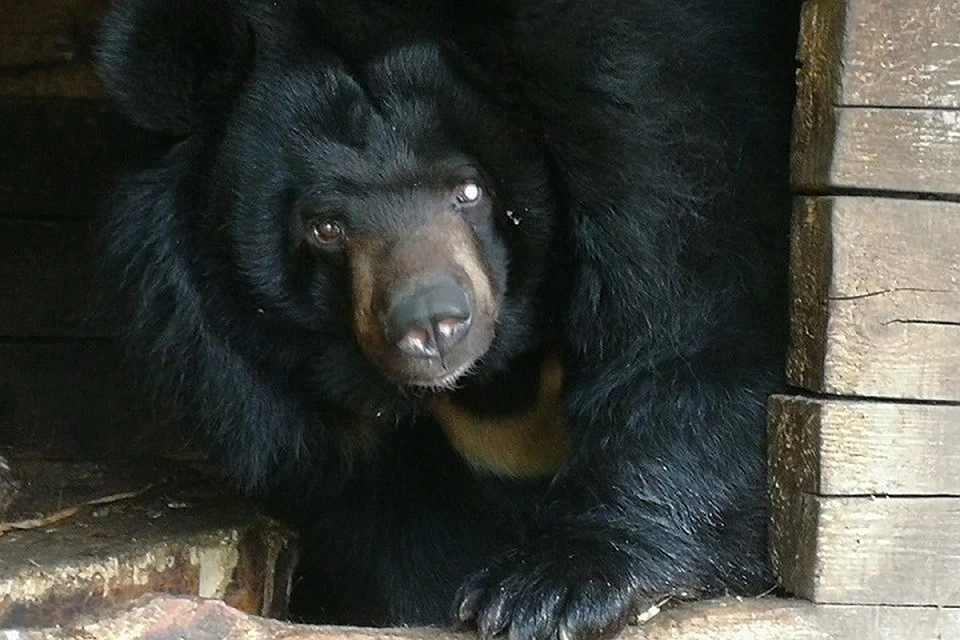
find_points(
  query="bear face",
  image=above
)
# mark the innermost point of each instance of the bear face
(394, 190)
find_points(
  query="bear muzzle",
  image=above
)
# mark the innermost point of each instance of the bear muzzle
(425, 304)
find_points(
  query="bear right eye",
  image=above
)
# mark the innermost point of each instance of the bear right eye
(327, 234)
(468, 193)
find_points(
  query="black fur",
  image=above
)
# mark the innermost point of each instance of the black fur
(643, 147)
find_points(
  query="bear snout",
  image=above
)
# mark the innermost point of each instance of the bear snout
(425, 302)
(430, 320)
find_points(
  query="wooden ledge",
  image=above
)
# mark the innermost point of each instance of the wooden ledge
(755, 619)
(82, 537)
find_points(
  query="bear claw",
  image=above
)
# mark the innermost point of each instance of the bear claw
(532, 596)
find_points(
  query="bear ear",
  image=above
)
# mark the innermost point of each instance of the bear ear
(168, 63)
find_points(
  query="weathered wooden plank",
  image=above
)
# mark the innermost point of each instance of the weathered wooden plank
(47, 47)
(59, 65)
(899, 150)
(876, 298)
(814, 120)
(73, 398)
(47, 277)
(51, 77)
(902, 54)
(58, 156)
(851, 622)
(183, 538)
(728, 619)
(884, 53)
(866, 550)
(860, 447)
(860, 57)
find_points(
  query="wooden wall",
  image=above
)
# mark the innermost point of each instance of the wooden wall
(865, 465)
(62, 391)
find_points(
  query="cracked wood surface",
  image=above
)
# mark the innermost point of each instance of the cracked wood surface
(875, 298)
(864, 500)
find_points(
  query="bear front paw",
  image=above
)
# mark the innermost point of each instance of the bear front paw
(555, 593)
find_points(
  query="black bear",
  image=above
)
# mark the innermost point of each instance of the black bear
(486, 295)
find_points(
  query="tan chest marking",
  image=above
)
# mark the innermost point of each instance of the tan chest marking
(527, 445)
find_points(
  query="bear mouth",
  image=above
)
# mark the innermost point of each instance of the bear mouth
(444, 382)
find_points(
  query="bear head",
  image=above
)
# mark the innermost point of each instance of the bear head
(354, 195)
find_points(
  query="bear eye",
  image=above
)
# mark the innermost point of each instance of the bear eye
(327, 233)
(469, 192)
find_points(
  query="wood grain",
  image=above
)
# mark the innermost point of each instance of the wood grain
(860, 447)
(115, 541)
(859, 58)
(726, 619)
(875, 300)
(863, 148)
(851, 622)
(866, 550)
(819, 51)
(886, 53)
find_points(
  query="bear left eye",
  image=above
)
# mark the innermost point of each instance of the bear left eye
(326, 233)
(469, 192)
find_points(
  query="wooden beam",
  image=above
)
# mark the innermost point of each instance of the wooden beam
(756, 619)
(69, 78)
(860, 58)
(866, 550)
(876, 298)
(862, 148)
(117, 539)
(47, 48)
(884, 53)
(819, 51)
(843, 447)
(850, 622)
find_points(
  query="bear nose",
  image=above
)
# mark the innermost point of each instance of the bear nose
(428, 321)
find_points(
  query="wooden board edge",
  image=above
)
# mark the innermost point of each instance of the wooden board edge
(819, 51)
(836, 347)
(840, 446)
(811, 254)
(793, 524)
(881, 539)
(794, 443)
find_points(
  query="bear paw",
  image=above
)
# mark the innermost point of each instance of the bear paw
(556, 592)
